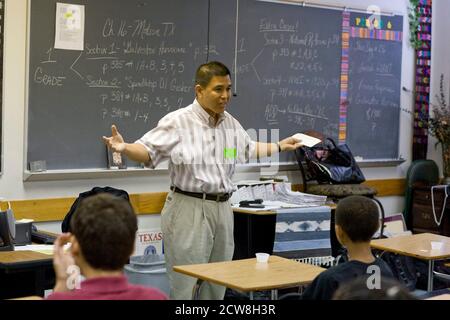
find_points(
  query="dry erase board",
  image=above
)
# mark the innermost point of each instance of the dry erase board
(291, 71)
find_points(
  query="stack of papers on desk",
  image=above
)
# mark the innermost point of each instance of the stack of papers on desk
(264, 190)
(272, 205)
(42, 248)
(276, 196)
(285, 205)
(266, 207)
(285, 194)
(253, 182)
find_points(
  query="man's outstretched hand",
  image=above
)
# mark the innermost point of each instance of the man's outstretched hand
(115, 142)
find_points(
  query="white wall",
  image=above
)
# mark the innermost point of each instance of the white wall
(12, 186)
(440, 57)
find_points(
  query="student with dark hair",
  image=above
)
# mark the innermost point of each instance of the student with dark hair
(203, 143)
(357, 220)
(102, 240)
(357, 289)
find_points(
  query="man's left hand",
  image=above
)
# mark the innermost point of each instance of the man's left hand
(290, 144)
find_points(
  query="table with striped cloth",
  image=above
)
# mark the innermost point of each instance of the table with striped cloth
(303, 234)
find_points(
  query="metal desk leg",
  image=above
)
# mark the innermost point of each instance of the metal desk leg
(430, 275)
(196, 290)
(274, 294)
(250, 295)
(249, 236)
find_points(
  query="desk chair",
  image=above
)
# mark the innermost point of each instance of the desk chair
(442, 276)
(335, 192)
(420, 172)
(332, 191)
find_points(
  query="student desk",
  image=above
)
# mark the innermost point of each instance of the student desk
(29, 298)
(417, 246)
(254, 231)
(440, 297)
(25, 273)
(248, 276)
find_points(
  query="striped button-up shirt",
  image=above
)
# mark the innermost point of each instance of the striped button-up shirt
(202, 155)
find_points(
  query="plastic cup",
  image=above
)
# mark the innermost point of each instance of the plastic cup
(436, 245)
(262, 257)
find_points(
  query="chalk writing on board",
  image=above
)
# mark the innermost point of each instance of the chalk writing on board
(120, 67)
(299, 94)
(139, 64)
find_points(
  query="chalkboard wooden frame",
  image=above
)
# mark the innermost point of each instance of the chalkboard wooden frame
(57, 175)
(60, 173)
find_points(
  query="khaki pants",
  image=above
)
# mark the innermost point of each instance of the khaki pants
(195, 231)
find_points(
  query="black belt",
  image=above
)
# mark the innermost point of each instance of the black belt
(221, 197)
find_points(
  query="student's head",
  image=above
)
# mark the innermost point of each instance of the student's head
(357, 219)
(359, 289)
(104, 229)
(213, 86)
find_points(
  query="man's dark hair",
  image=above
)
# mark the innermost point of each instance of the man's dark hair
(105, 227)
(209, 70)
(358, 217)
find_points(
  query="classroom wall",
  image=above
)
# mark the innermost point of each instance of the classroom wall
(14, 97)
(440, 57)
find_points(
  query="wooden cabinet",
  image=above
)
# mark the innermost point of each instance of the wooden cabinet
(423, 219)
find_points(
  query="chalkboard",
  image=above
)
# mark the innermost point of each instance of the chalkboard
(139, 61)
(374, 94)
(138, 64)
(288, 66)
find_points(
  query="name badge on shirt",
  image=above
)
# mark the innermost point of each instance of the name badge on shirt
(230, 153)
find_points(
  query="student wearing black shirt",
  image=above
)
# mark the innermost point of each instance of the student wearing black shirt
(389, 289)
(357, 221)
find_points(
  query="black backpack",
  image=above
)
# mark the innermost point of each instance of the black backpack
(403, 268)
(65, 226)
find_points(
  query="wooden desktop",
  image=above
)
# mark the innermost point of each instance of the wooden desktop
(418, 246)
(247, 275)
(25, 273)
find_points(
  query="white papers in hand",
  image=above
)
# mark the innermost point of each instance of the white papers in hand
(306, 140)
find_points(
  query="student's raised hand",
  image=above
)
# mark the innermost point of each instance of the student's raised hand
(290, 144)
(62, 262)
(115, 142)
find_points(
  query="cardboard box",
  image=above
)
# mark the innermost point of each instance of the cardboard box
(149, 241)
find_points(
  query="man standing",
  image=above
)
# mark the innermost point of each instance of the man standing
(203, 143)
